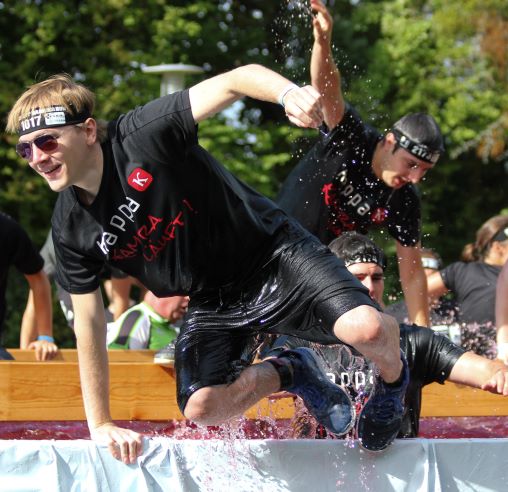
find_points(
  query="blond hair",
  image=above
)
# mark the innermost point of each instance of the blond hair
(58, 89)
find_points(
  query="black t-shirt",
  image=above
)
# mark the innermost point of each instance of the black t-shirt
(430, 357)
(166, 212)
(333, 188)
(474, 288)
(17, 250)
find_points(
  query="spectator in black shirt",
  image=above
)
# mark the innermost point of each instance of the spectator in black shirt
(472, 282)
(18, 251)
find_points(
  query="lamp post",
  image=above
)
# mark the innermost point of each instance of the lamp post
(173, 75)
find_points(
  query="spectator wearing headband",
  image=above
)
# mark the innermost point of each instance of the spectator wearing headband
(473, 280)
(355, 178)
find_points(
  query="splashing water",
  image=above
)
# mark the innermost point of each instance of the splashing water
(480, 338)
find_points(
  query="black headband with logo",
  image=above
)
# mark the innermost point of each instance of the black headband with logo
(366, 257)
(419, 150)
(50, 117)
(431, 263)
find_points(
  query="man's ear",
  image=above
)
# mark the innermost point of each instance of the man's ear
(90, 127)
(390, 139)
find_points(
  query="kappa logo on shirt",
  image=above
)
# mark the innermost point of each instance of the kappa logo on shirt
(140, 179)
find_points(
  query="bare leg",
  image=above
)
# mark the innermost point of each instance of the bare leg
(214, 405)
(375, 335)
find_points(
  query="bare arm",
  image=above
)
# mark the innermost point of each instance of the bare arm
(502, 314)
(414, 283)
(90, 328)
(435, 286)
(302, 104)
(479, 372)
(38, 318)
(28, 331)
(325, 75)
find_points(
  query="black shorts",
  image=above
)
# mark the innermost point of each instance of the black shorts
(301, 290)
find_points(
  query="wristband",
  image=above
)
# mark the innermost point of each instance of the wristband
(45, 338)
(283, 93)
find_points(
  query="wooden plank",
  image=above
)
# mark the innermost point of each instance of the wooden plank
(138, 391)
(146, 391)
(455, 400)
(71, 355)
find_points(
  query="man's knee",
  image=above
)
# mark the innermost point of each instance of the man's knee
(363, 325)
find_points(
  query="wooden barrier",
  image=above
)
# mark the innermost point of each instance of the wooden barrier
(71, 355)
(141, 390)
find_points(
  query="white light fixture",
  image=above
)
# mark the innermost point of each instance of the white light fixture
(173, 75)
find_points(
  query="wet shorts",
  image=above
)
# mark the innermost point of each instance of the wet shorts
(301, 290)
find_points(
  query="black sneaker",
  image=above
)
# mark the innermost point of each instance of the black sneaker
(381, 417)
(165, 356)
(327, 402)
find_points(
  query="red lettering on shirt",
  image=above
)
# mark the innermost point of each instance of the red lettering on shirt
(338, 221)
(151, 238)
(379, 215)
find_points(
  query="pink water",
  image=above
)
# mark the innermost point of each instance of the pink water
(431, 428)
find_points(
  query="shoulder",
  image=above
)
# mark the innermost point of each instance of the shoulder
(159, 112)
(457, 268)
(14, 236)
(352, 125)
(8, 224)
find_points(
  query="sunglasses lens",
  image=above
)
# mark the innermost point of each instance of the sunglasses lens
(47, 143)
(24, 150)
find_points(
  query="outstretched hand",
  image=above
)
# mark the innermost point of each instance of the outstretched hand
(303, 107)
(498, 383)
(322, 23)
(124, 444)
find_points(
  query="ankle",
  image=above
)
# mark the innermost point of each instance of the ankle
(284, 369)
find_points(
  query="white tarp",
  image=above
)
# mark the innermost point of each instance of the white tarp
(257, 465)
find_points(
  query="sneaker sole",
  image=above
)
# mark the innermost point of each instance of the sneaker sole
(375, 451)
(341, 389)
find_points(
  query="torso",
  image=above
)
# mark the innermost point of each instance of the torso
(333, 188)
(166, 213)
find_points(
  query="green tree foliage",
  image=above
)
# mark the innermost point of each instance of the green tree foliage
(396, 56)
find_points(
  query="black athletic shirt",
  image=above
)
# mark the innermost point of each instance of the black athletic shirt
(333, 188)
(18, 250)
(430, 357)
(166, 212)
(474, 288)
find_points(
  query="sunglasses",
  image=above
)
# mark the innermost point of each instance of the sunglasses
(46, 143)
